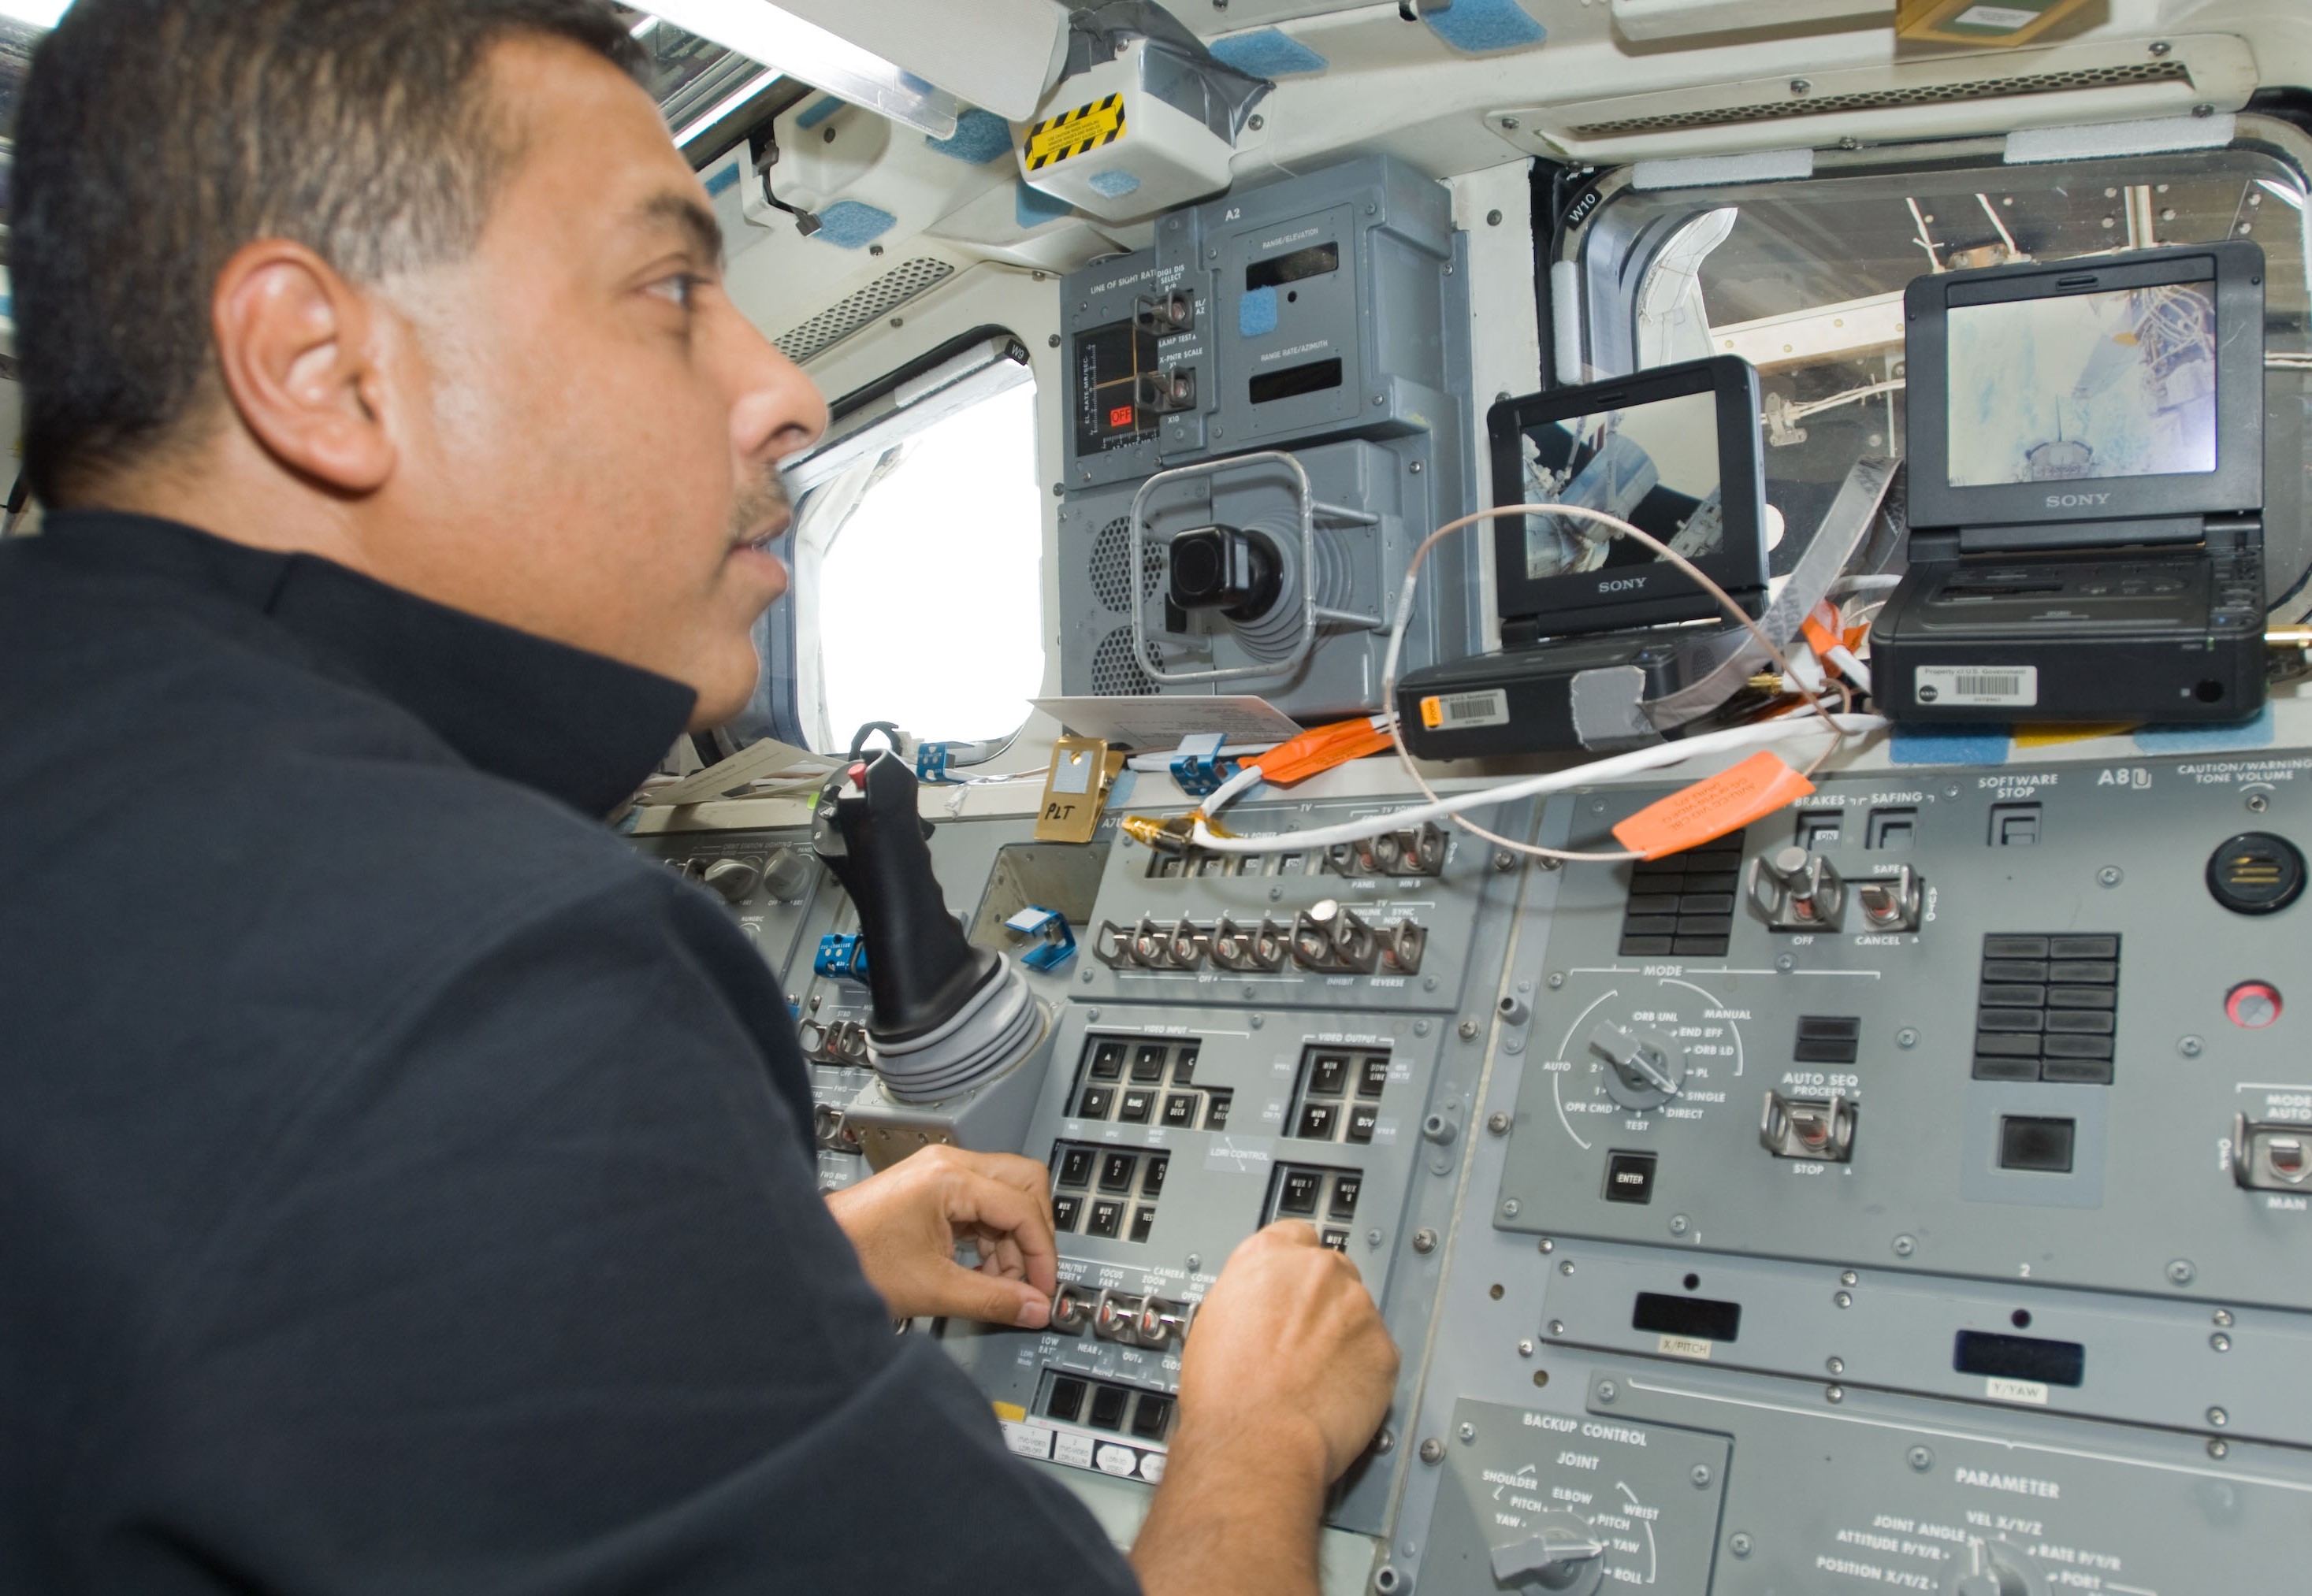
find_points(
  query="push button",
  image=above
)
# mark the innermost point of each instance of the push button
(1075, 1166)
(1300, 1193)
(1148, 1064)
(1630, 1177)
(1180, 1109)
(1364, 1119)
(2030, 1142)
(1328, 1074)
(1345, 1195)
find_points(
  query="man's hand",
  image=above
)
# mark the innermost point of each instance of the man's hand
(1286, 1376)
(905, 1223)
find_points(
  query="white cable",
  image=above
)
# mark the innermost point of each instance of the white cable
(1636, 761)
(1855, 671)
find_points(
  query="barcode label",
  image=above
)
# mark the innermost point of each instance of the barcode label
(1456, 712)
(1969, 686)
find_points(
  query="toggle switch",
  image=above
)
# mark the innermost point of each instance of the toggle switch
(1795, 889)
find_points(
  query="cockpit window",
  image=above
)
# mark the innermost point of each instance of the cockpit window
(1804, 279)
(918, 576)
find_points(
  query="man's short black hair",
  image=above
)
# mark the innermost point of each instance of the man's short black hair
(155, 137)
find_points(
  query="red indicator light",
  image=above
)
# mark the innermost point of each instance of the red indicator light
(1121, 416)
(2253, 1005)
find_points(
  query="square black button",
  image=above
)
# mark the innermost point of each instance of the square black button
(1152, 1184)
(2033, 1143)
(1148, 1063)
(1364, 1118)
(1180, 1109)
(1216, 1108)
(1184, 1067)
(1117, 1170)
(1142, 1218)
(1328, 1074)
(1630, 1177)
(1337, 1240)
(1107, 1061)
(2006, 1069)
(1344, 1197)
(1373, 1076)
(1075, 1166)
(1149, 1419)
(1107, 1219)
(1108, 1407)
(1095, 1103)
(1299, 1194)
(1318, 1120)
(1066, 1399)
(1138, 1106)
(1064, 1210)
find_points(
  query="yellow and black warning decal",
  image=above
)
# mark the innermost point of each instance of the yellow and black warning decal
(1086, 129)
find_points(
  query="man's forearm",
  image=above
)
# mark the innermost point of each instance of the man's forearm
(1237, 1516)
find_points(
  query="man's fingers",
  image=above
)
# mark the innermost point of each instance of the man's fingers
(1021, 1220)
(960, 1293)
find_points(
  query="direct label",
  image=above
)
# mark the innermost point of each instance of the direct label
(1087, 128)
(1972, 686)
(2000, 1388)
(2005, 18)
(1456, 712)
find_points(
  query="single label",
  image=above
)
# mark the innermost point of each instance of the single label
(2005, 18)
(1118, 1460)
(2008, 687)
(1075, 1450)
(2000, 1389)
(1029, 1441)
(1725, 802)
(1683, 1346)
(1457, 711)
(1087, 128)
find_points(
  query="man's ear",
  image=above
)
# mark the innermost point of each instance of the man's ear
(296, 345)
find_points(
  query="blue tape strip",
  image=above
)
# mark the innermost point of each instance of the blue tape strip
(1948, 744)
(1114, 183)
(1255, 313)
(1269, 53)
(2256, 733)
(979, 137)
(1032, 207)
(1484, 27)
(847, 224)
(827, 107)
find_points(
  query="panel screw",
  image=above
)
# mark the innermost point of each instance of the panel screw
(1372, 1237)
(2224, 1317)
(2161, 46)
(1547, 1245)
(1846, 1276)
(1849, 143)
(2203, 109)
(2218, 1447)
(1275, 893)
(1906, 1037)
(1679, 1225)
(2111, 875)
(1800, 86)
(1424, 1240)
(1557, 1327)
(1504, 863)
(1565, 1266)
(1739, 1544)
(1257, 1021)
(1059, 489)
(1053, 342)
(2219, 1418)
(1845, 1299)
(1467, 1030)
(1607, 1390)
(1087, 978)
(1510, 123)
(1834, 1393)
(1525, 1349)
(1836, 1366)
(1257, 123)
(1196, 1261)
(1432, 1450)
(1493, 218)
(1700, 1476)
(1420, 1027)
(1498, 1123)
(1384, 1444)
(1510, 1208)
(2258, 802)
(2190, 1046)
(1414, 467)
(1905, 1246)
(2220, 1341)
(1786, 963)
(1556, 980)
(1467, 1433)
(1921, 1459)
(2180, 1272)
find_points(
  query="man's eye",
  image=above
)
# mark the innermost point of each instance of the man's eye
(681, 289)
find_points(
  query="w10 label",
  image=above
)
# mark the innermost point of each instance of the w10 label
(1969, 686)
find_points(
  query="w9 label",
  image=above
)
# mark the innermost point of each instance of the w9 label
(1457, 711)
(1971, 686)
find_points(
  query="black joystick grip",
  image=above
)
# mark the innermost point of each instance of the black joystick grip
(920, 971)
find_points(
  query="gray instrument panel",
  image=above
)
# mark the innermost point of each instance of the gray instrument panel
(1988, 1317)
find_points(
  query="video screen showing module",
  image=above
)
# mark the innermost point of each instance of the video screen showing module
(1654, 466)
(2121, 383)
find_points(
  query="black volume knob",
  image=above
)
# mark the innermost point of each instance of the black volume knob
(2256, 873)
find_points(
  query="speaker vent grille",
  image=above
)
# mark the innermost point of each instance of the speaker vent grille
(1111, 556)
(2051, 82)
(838, 322)
(1113, 672)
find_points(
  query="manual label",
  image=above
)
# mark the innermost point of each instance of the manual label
(1989, 686)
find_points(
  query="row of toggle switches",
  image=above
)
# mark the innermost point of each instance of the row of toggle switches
(1154, 1322)
(1330, 939)
(1796, 889)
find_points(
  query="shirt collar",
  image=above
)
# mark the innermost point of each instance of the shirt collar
(578, 726)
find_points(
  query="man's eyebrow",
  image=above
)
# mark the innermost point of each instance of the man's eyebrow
(692, 218)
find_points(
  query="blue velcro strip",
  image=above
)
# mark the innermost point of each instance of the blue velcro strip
(1114, 183)
(1484, 27)
(980, 136)
(2257, 733)
(725, 176)
(827, 107)
(848, 224)
(1267, 52)
(1948, 744)
(1032, 207)
(1255, 313)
